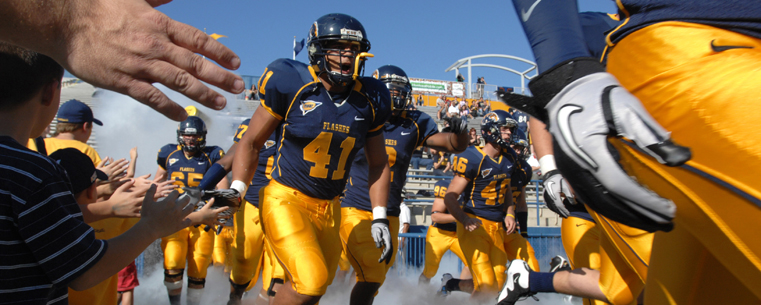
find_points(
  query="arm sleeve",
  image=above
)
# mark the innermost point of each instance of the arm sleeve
(427, 127)
(553, 29)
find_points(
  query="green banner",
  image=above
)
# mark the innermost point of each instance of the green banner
(429, 86)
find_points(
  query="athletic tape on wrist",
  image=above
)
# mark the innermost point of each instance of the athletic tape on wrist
(379, 212)
(239, 186)
(547, 164)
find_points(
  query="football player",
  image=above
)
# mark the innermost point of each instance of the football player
(442, 234)
(186, 163)
(611, 259)
(248, 253)
(404, 131)
(483, 177)
(516, 245)
(327, 112)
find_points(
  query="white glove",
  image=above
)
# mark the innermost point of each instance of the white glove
(554, 184)
(583, 107)
(382, 238)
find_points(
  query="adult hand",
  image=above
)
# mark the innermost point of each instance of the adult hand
(127, 45)
(471, 224)
(584, 106)
(165, 216)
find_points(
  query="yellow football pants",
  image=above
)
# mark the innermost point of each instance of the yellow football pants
(484, 252)
(517, 247)
(700, 83)
(437, 242)
(303, 234)
(359, 244)
(247, 246)
(222, 246)
(193, 244)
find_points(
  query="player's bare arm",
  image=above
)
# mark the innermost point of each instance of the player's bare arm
(137, 46)
(439, 212)
(450, 200)
(246, 160)
(448, 141)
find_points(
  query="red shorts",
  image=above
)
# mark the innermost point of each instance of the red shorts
(128, 278)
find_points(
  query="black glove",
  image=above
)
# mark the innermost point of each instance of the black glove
(583, 106)
(457, 125)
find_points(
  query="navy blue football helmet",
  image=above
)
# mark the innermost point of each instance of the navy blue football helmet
(193, 125)
(490, 127)
(325, 33)
(520, 144)
(398, 85)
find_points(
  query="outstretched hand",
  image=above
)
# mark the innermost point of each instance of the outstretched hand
(127, 45)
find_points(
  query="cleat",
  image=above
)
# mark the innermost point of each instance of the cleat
(516, 285)
(444, 279)
(559, 263)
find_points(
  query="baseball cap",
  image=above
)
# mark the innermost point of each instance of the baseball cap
(74, 111)
(79, 167)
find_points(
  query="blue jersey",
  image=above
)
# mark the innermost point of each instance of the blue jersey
(489, 181)
(402, 134)
(187, 172)
(263, 173)
(320, 136)
(521, 177)
(439, 190)
(522, 119)
(740, 16)
(595, 26)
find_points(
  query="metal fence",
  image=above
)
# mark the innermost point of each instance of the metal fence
(411, 256)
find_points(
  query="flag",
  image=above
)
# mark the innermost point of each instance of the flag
(297, 46)
(217, 36)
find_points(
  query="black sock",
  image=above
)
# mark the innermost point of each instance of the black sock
(174, 299)
(453, 285)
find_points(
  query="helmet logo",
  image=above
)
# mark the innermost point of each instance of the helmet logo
(308, 106)
(491, 116)
(351, 34)
(375, 74)
(485, 172)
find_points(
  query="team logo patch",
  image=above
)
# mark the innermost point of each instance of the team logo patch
(308, 106)
(485, 172)
(491, 117)
(172, 161)
(269, 144)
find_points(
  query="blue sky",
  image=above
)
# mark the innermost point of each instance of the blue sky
(421, 37)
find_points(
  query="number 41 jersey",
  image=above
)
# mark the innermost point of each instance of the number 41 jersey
(320, 133)
(187, 171)
(489, 181)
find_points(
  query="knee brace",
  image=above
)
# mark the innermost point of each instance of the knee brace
(196, 282)
(173, 281)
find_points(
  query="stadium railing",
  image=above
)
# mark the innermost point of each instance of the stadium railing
(411, 255)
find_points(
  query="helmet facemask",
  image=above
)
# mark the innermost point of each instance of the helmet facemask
(351, 61)
(400, 95)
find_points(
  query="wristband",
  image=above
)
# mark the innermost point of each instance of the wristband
(239, 186)
(511, 215)
(379, 213)
(547, 164)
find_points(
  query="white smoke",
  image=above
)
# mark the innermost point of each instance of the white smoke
(128, 123)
